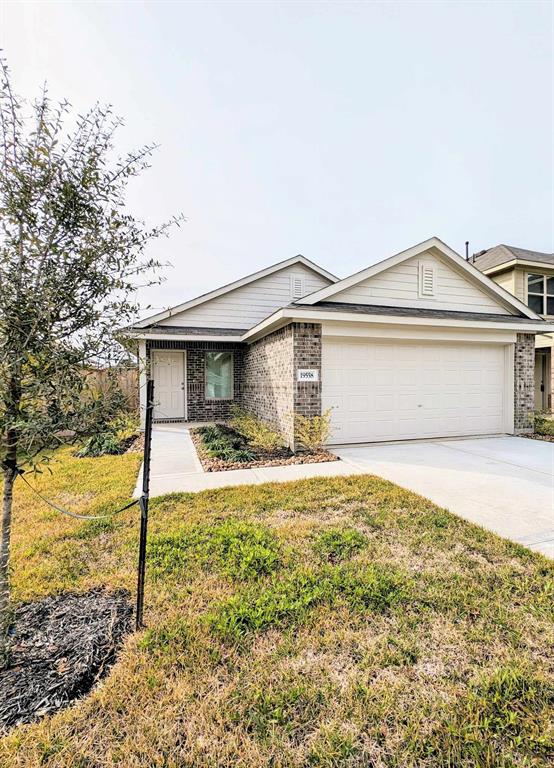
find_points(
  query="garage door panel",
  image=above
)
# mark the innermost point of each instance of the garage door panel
(395, 391)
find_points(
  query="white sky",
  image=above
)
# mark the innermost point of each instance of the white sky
(342, 131)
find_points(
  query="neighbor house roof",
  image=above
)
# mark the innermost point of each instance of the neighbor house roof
(505, 255)
(148, 321)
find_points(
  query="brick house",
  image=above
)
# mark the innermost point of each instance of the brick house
(419, 345)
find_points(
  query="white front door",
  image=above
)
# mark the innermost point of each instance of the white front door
(168, 370)
(402, 391)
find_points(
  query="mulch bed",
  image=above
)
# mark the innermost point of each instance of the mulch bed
(58, 649)
(136, 444)
(536, 436)
(279, 458)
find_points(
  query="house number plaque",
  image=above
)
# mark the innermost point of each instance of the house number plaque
(307, 374)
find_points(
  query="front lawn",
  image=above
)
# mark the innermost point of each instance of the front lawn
(329, 622)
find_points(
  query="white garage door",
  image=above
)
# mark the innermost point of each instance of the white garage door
(402, 391)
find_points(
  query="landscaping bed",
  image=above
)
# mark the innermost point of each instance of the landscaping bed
(544, 428)
(221, 448)
(58, 648)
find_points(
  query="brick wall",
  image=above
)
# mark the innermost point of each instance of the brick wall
(198, 408)
(524, 382)
(270, 389)
(307, 354)
(268, 380)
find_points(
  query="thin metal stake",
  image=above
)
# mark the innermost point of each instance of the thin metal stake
(144, 502)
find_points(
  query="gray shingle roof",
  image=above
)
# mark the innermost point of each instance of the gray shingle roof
(177, 330)
(502, 254)
(374, 309)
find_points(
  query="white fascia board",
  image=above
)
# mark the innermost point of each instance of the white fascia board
(433, 242)
(289, 315)
(232, 286)
(519, 263)
(180, 337)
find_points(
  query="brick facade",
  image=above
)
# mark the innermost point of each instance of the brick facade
(307, 354)
(524, 382)
(265, 377)
(198, 408)
(270, 388)
(268, 380)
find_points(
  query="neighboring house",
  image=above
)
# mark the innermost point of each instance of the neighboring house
(529, 276)
(420, 345)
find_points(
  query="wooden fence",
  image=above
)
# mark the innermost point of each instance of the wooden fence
(127, 379)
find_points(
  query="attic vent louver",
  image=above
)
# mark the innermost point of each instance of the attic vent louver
(426, 279)
(296, 286)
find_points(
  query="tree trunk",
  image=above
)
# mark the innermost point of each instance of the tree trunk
(10, 473)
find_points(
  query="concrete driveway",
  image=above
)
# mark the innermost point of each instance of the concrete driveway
(505, 484)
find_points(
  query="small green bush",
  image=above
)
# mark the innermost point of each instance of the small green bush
(256, 432)
(336, 544)
(544, 424)
(99, 445)
(312, 433)
(224, 443)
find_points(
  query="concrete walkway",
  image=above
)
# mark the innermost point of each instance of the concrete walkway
(175, 467)
(505, 484)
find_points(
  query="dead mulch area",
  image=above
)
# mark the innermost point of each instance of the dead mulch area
(278, 458)
(58, 649)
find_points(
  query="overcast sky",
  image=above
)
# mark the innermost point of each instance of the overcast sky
(345, 132)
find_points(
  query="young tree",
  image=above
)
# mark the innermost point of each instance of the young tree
(71, 258)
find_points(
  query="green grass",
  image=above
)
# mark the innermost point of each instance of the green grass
(330, 622)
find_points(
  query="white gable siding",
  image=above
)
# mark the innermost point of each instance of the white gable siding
(399, 287)
(246, 306)
(506, 281)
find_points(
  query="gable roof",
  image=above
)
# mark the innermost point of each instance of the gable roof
(502, 254)
(474, 274)
(145, 322)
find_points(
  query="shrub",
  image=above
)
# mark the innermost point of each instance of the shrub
(312, 432)
(256, 432)
(125, 426)
(112, 439)
(99, 445)
(544, 424)
(224, 443)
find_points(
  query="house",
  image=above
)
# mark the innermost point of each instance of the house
(529, 276)
(420, 345)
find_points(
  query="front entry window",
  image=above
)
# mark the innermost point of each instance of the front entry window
(219, 375)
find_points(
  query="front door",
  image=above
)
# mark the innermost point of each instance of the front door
(169, 384)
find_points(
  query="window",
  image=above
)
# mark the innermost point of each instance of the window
(426, 279)
(297, 286)
(540, 294)
(219, 375)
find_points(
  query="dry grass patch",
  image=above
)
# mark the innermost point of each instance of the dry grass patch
(330, 622)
